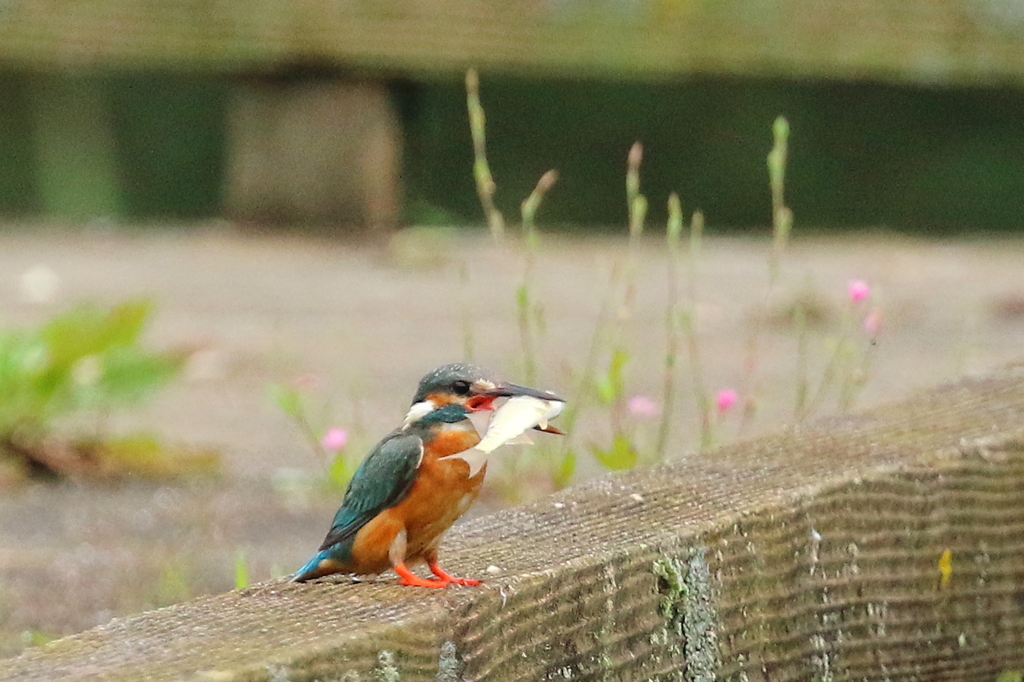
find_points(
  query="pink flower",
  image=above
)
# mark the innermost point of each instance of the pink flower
(873, 322)
(857, 290)
(335, 439)
(726, 398)
(642, 406)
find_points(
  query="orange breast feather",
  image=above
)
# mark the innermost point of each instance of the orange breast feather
(441, 493)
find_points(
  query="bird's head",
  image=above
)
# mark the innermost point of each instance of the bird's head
(451, 392)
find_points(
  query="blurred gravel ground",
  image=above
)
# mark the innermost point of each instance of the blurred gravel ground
(367, 322)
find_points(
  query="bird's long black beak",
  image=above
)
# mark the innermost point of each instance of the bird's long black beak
(508, 390)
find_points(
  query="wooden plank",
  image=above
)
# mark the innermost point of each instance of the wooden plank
(919, 40)
(883, 545)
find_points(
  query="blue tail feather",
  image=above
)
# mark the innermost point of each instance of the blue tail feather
(311, 569)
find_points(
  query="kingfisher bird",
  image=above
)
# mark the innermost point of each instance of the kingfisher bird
(413, 485)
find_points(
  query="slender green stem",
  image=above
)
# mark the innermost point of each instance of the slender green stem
(692, 337)
(636, 204)
(673, 230)
(858, 375)
(802, 382)
(782, 216)
(589, 370)
(567, 452)
(485, 186)
(532, 203)
(528, 311)
(782, 224)
(832, 368)
(610, 304)
(300, 417)
(524, 315)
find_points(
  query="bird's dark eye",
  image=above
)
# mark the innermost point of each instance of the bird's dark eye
(461, 387)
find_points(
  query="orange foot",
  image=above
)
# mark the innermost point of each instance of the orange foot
(444, 575)
(412, 580)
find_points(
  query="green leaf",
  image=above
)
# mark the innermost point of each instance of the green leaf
(338, 473)
(22, 361)
(288, 399)
(85, 357)
(621, 455)
(90, 330)
(129, 374)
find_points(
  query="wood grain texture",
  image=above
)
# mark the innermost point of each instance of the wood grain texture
(814, 553)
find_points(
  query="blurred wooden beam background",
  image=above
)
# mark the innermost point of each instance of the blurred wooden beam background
(251, 88)
(947, 41)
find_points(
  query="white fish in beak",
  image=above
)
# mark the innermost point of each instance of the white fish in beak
(509, 424)
(513, 419)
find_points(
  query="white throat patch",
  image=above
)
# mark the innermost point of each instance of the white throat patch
(418, 411)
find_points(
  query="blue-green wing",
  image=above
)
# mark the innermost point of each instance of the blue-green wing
(381, 481)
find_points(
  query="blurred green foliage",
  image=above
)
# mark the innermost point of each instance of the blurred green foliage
(171, 141)
(87, 359)
(927, 159)
(864, 154)
(86, 144)
(18, 183)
